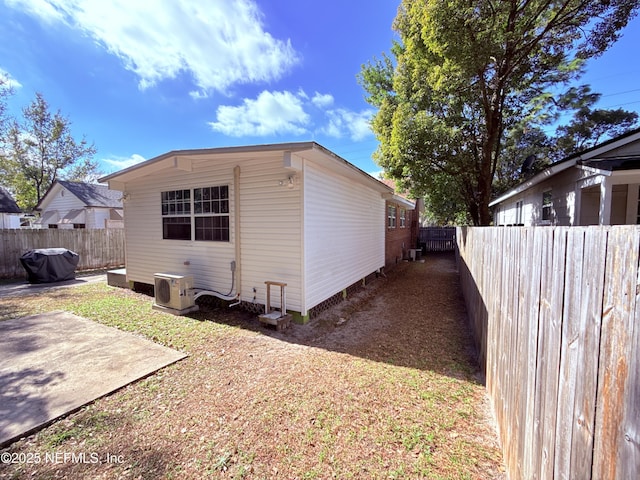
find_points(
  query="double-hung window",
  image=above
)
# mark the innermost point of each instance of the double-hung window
(211, 208)
(547, 205)
(391, 216)
(176, 215)
(197, 214)
(403, 218)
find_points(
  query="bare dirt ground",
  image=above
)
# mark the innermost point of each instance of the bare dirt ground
(385, 385)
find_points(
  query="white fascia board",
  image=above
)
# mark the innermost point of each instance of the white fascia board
(408, 204)
(608, 146)
(595, 171)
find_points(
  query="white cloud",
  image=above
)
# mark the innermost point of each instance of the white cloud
(218, 42)
(322, 100)
(273, 113)
(269, 114)
(119, 163)
(7, 81)
(347, 122)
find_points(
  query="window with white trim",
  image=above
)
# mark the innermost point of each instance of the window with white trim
(547, 205)
(519, 205)
(201, 214)
(403, 218)
(211, 208)
(176, 215)
(391, 216)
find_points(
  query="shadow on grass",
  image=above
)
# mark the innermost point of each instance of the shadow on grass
(21, 404)
(414, 317)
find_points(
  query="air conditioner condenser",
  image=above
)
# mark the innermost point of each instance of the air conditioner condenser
(174, 293)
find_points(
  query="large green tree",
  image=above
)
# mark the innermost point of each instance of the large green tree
(465, 72)
(40, 150)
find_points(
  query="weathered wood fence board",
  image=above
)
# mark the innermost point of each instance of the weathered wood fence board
(556, 315)
(97, 248)
(437, 239)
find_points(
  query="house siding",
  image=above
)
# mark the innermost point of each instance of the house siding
(269, 222)
(562, 188)
(63, 201)
(344, 232)
(148, 253)
(271, 218)
(97, 217)
(9, 220)
(585, 191)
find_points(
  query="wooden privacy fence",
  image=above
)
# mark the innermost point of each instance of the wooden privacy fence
(437, 239)
(556, 315)
(97, 248)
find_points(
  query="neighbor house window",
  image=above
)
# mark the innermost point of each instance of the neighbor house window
(403, 218)
(547, 205)
(519, 205)
(176, 215)
(206, 209)
(211, 208)
(391, 216)
(79, 225)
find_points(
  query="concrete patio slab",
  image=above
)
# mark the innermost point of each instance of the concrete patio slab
(54, 363)
(26, 288)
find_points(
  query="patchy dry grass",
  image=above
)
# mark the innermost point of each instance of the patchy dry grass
(392, 392)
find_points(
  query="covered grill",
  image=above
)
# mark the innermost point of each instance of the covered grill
(48, 265)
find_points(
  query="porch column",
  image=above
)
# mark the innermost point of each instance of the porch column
(574, 218)
(606, 192)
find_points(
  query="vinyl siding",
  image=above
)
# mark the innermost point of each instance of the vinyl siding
(271, 219)
(270, 229)
(344, 232)
(319, 236)
(63, 202)
(148, 253)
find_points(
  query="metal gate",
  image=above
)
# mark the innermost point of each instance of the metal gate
(437, 239)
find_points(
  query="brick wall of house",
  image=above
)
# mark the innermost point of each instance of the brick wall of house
(399, 239)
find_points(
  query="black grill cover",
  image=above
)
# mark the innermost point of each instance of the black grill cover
(47, 265)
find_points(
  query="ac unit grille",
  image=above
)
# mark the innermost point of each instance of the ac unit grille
(174, 291)
(163, 290)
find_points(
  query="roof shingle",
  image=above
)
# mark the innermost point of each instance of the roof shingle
(7, 203)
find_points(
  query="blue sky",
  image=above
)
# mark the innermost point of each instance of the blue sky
(142, 78)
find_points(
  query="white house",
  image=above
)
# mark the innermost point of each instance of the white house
(80, 205)
(598, 186)
(294, 213)
(9, 211)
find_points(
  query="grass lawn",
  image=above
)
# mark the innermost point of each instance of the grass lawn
(382, 386)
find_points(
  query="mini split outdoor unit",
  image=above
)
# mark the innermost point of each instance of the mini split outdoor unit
(174, 293)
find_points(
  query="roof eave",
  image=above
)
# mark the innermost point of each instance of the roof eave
(179, 159)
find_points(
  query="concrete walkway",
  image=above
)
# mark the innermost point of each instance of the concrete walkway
(26, 288)
(54, 363)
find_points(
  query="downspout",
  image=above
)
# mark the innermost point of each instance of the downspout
(236, 221)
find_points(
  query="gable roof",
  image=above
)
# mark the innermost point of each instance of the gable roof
(7, 203)
(595, 157)
(90, 194)
(180, 159)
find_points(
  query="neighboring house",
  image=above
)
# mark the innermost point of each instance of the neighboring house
(10, 213)
(80, 205)
(401, 218)
(598, 186)
(294, 213)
